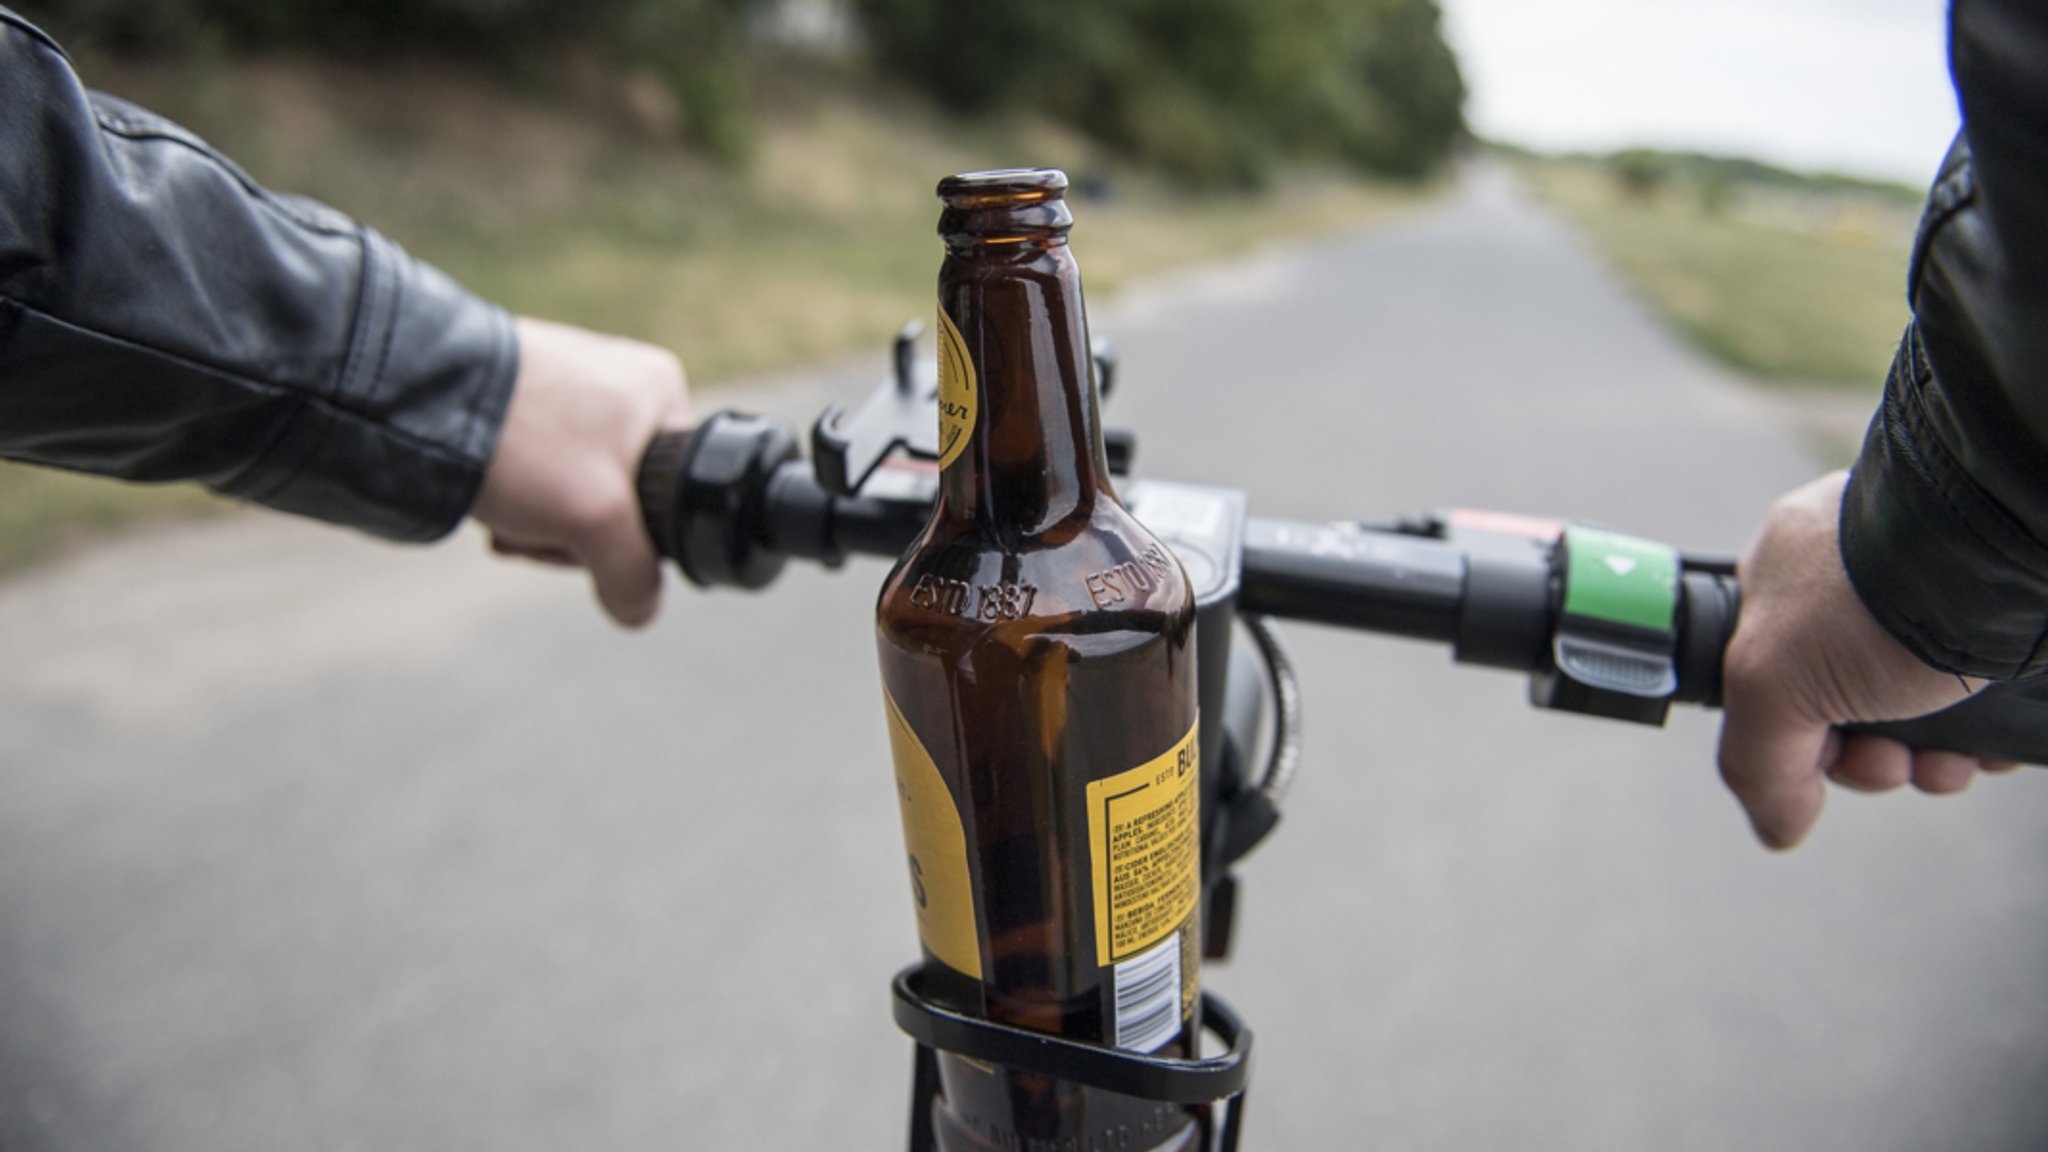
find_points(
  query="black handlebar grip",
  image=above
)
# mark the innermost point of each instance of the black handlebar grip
(2003, 721)
(702, 495)
(659, 477)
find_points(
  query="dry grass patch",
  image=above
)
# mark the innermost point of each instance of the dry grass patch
(1789, 286)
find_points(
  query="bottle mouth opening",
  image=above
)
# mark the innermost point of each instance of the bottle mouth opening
(1002, 187)
(1004, 206)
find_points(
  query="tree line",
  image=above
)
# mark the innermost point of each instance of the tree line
(1218, 91)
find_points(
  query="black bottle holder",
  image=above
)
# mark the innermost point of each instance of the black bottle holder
(1219, 1082)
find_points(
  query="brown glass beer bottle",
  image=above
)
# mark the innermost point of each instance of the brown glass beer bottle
(1038, 659)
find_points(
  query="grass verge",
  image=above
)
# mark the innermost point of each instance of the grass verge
(44, 511)
(1801, 286)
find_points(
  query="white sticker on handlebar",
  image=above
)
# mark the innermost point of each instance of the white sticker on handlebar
(959, 391)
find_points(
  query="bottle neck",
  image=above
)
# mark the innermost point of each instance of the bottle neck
(1033, 454)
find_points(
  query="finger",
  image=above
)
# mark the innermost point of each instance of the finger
(1998, 767)
(624, 570)
(1943, 773)
(538, 552)
(1866, 771)
(1873, 764)
(678, 417)
(1773, 762)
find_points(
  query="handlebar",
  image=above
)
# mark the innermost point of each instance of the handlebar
(733, 500)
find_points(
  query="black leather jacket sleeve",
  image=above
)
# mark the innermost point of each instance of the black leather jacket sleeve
(164, 318)
(1945, 522)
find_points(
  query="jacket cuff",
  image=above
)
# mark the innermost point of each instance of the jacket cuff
(400, 448)
(1937, 560)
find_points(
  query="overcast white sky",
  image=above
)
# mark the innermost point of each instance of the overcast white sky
(1858, 85)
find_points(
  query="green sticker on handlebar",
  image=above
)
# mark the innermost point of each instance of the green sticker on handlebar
(1620, 579)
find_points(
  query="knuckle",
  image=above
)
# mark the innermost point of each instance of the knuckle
(611, 508)
(661, 368)
(597, 510)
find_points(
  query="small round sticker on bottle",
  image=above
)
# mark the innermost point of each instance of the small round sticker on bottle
(958, 391)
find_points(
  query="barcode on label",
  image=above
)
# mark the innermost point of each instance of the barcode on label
(1148, 997)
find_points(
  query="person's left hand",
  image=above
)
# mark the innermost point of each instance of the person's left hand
(560, 487)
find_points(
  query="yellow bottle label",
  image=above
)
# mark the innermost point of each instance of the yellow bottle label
(937, 845)
(959, 391)
(1144, 851)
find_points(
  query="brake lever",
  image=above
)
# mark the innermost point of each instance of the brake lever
(900, 415)
(846, 449)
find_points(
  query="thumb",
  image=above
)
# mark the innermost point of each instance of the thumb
(1775, 760)
(624, 571)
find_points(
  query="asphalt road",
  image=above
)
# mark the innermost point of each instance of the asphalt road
(308, 843)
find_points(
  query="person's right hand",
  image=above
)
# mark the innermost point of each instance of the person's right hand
(560, 488)
(1808, 656)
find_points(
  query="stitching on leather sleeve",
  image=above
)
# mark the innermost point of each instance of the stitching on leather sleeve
(372, 312)
(143, 130)
(482, 441)
(383, 316)
(364, 367)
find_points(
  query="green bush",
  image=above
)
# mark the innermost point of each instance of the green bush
(1214, 89)
(696, 46)
(1640, 173)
